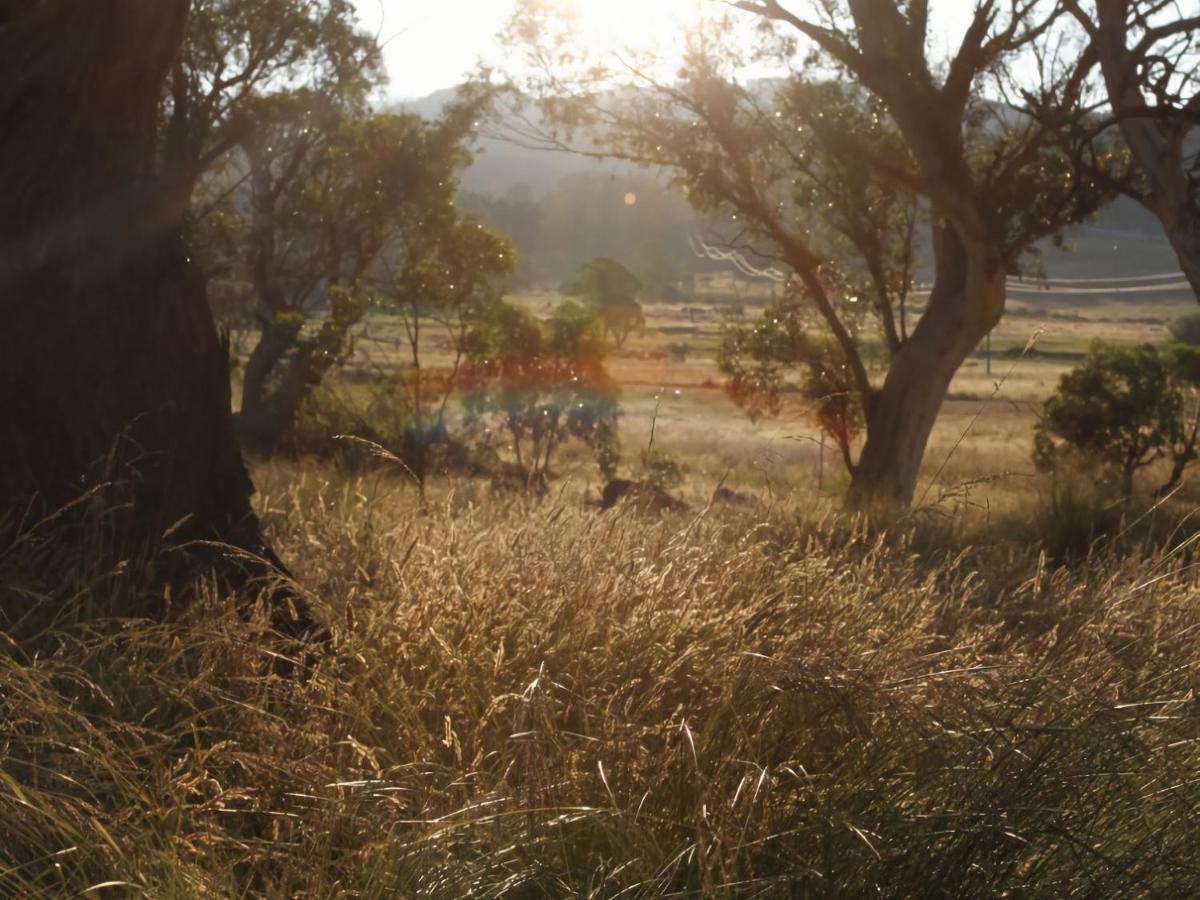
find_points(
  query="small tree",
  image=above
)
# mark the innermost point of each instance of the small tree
(1119, 408)
(542, 384)
(611, 291)
(444, 280)
(778, 355)
(324, 195)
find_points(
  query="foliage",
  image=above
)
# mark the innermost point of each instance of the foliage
(323, 197)
(1182, 362)
(442, 279)
(610, 290)
(759, 360)
(535, 385)
(1119, 408)
(1186, 329)
(241, 55)
(659, 470)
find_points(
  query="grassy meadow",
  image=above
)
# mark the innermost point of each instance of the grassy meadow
(530, 698)
(534, 699)
(979, 459)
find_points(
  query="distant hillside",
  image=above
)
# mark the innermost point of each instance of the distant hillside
(501, 166)
(1123, 241)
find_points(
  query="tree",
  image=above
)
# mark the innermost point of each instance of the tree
(538, 385)
(445, 276)
(758, 361)
(610, 290)
(324, 197)
(1118, 408)
(995, 176)
(237, 55)
(116, 386)
(1147, 53)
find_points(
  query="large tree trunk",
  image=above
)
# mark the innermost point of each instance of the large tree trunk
(966, 303)
(1182, 227)
(113, 376)
(1171, 197)
(1156, 142)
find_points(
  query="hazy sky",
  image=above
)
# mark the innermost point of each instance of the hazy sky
(432, 44)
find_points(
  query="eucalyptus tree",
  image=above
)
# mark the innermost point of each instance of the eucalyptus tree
(442, 281)
(323, 196)
(115, 398)
(996, 175)
(1148, 53)
(239, 53)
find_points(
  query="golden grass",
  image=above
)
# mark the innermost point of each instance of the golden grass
(534, 699)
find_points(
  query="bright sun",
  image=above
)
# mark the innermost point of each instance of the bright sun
(611, 25)
(439, 45)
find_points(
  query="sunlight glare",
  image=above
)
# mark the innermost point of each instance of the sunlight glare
(606, 26)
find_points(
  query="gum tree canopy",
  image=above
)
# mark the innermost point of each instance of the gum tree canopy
(991, 138)
(115, 382)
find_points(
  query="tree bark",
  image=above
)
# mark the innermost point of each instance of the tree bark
(257, 421)
(115, 380)
(1155, 141)
(1181, 224)
(966, 303)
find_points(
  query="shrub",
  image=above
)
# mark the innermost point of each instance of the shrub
(679, 352)
(1186, 330)
(537, 385)
(659, 470)
(1119, 409)
(778, 355)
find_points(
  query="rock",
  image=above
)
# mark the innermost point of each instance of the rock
(735, 498)
(647, 497)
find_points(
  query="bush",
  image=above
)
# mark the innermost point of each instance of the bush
(679, 352)
(377, 414)
(1186, 330)
(778, 355)
(1119, 409)
(659, 470)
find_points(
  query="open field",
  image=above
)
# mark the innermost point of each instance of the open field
(980, 451)
(530, 698)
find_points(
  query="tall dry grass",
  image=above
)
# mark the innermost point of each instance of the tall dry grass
(539, 700)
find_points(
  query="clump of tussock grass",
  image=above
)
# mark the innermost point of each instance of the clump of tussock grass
(535, 700)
